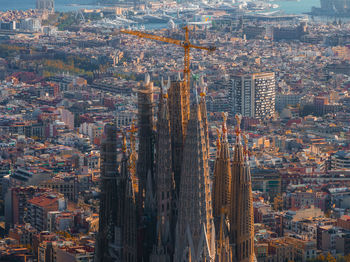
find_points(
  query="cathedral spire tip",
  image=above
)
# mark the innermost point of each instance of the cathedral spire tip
(124, 147)
(224, 127)
(218, 141)
(161, 82)
(203, 86)
(179, 77)
(194, 95)
(245, 146)
(168, 84)
(238, 127)
(203, 91)
(147, 78)
(165, 88)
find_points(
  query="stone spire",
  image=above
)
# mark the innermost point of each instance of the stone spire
(164, 185)
(145, 171)
(159, 254)
(150, 200)
(221, 194)
(204, 113)
(224, 248)
(222, 173)
(145, 133)
(128, 210)
(165, 177)
(195, 228)
(116, 240)
(108, 198)
(241, 204)
(133, 159)
(179, 110)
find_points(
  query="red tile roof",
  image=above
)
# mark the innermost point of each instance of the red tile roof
(44, 200)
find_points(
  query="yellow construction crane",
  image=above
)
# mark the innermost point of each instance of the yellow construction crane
(187, 45)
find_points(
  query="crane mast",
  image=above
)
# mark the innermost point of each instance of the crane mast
(186, 45)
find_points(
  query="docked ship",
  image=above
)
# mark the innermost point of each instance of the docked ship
(156, 18)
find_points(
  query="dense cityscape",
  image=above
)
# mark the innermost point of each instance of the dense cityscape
(160, 131)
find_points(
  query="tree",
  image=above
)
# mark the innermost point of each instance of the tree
(328, 213)
(319, 258)
(278, 203)
(341, 259)
(330, 258)
(347, 258)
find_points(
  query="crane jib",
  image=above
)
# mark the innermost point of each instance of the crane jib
(185, 44)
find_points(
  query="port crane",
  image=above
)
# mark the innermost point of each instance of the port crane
(186, 45)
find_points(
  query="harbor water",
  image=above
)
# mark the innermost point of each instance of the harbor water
(289, 7)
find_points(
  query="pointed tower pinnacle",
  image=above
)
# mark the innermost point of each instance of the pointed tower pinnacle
(179, 111)
(116, 239)
(150, 202)
(195, 228)
(108, 186)
(145, 133)
(222, 173)
(204, 114)
(133, 159)
(165, 185)
(128, 229)
(144, 169)
(164, 173)
(241, 203)
(158, 253)
(218, 142)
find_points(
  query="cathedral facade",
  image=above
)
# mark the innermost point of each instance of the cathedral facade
(181, 212)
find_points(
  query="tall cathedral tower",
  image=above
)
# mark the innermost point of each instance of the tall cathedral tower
(221, 195)
(108, 186)
(222, 173)
(116, 239)
(204, 114)
(127, 210)
(145, 134)
(145, 171)
(179, 110)
(195, 233)
(241, 207)
(165, 185)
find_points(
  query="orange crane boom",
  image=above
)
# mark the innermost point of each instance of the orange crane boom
(187, 45)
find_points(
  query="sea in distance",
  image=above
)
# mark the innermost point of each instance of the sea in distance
(289, 7)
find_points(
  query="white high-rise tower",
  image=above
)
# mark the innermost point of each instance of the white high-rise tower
(45, 5)
(253, 95)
